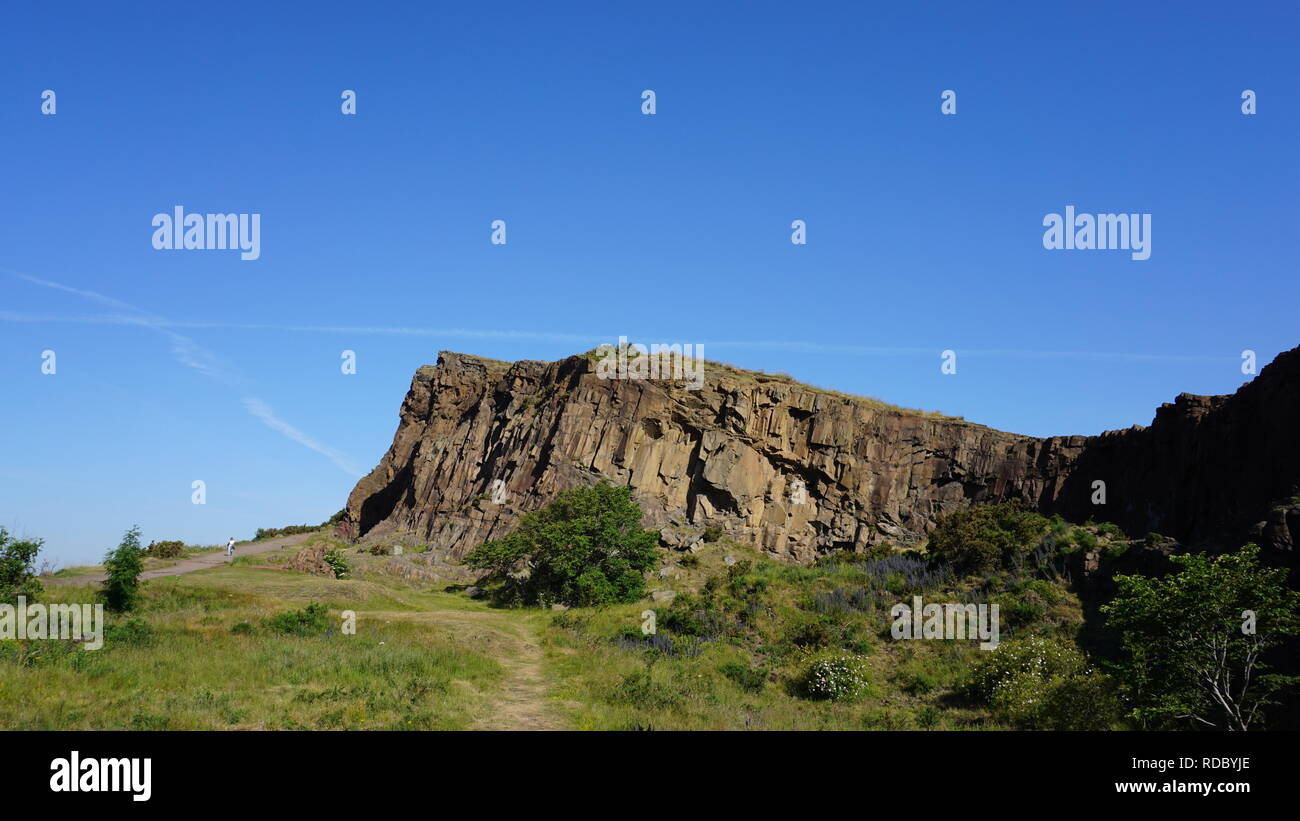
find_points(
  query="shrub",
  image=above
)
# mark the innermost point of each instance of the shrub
(133, 631)
(639, 689)
(683, 616)
(881, 550)
(585, 548)
(334, 558)
(1037, 683)
(1110, 530)
(887, 719)
(1085, 539)
(291, 530)
(311, 620)
(121, 590)
(243, 628)
(17, 568)
(165, 550)
(928, 717)
(811, 635)
(1036, 658)
(712, 533)
(918, 682)
(739, 569)
(841, 677)
(986, 537)
(1088, 701)
(749, 679)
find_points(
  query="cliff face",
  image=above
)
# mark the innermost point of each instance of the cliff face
(799, 471)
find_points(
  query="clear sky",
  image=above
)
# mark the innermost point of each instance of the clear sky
(924, 231)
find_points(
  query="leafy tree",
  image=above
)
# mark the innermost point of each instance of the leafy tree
(585, 548)
(1192, 651)
(17, 568)
(123, 564)
(986, 537)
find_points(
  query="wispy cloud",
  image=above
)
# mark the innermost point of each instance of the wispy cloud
(188, 353)
(263, 411)
(593, 339)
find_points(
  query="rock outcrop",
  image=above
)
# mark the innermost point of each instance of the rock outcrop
(798, 471)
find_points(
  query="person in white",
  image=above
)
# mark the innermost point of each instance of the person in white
(230, 546)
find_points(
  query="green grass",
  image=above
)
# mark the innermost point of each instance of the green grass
(187, 670)
(202, 654)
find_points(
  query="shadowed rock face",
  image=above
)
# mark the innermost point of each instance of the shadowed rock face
(733, 455)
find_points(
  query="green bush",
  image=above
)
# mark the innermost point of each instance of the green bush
(133, 631)
(1037, 683)
(1085, 539)
(812, 635)
(337, 563)
(17, 568)
(840, 677)
(165, 550)
(712, 533)
(291, 530)
(312, 620)
(585, 548)
(1110, 530)
(121, 590)
(683, 616)
(749, 679)
(928, 717)
(986, 537)
(919, 681)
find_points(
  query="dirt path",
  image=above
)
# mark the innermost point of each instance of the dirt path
(523, 702)
(206, 560)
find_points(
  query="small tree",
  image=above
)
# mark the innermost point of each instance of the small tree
(585, 548)
(1194, 641)
(17, 568)
(123, 564)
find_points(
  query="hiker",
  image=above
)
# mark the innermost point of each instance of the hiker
(230, 547)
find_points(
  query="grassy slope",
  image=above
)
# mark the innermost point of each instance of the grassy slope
(401, 669)
(426, 659)
(914, 684)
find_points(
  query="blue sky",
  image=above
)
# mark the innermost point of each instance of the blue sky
(924, 230)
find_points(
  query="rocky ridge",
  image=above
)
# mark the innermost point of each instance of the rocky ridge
(798, 471)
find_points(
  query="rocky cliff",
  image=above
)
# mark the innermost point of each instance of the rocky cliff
(799, 471)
